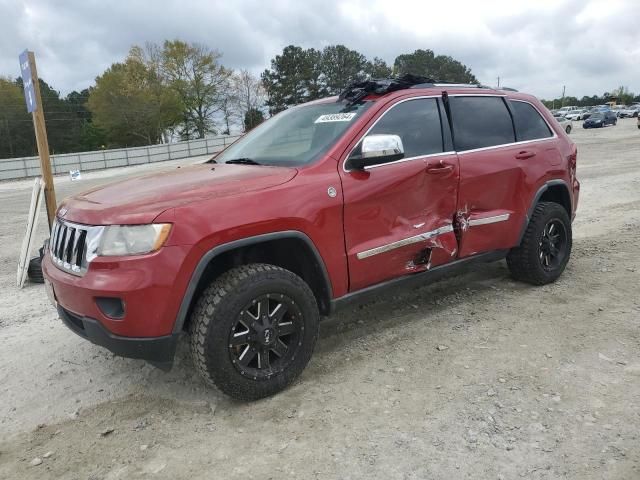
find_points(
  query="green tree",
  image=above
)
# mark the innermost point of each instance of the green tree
(194, 72)
(289, 80)
(442, 68)
(131, 104)
(252, 118)
(622, 95)
(16, 128)
(341, 67)
(378, 68)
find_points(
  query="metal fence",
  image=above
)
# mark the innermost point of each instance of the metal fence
(14, 168)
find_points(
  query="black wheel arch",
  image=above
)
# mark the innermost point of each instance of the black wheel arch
(292, 250)
(556, 191)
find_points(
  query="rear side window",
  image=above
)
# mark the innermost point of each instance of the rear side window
(417, 122)
(529, 124)
(480, 122)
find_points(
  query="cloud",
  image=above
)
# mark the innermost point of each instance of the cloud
(589, 46)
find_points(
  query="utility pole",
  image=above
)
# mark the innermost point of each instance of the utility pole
(35, 107)
(498, 82)
(562, 101)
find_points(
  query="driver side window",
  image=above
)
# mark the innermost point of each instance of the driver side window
(417, 123)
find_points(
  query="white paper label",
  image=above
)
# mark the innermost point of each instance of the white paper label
(335, 117)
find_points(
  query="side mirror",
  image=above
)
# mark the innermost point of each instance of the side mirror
(377, 149)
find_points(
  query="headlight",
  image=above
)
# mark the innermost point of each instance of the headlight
(118, 240)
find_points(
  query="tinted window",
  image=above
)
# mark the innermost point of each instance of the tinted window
(529, 123)
(417, 122)
(480, 122)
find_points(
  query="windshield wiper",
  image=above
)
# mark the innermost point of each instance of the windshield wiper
(243, 161)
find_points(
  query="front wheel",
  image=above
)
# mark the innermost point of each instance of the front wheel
(544, 251)
(253, 330)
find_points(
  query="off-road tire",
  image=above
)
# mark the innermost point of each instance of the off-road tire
(216, 313)
(524, 262)
(568, 129)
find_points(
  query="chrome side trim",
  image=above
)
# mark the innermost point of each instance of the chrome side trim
(493, 147)
(404, 242)
(370, 167)
(488, 220)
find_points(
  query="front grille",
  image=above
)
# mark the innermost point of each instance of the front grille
(68, 246)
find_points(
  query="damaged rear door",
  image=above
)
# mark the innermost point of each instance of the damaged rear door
(493, 173)
(398, 216)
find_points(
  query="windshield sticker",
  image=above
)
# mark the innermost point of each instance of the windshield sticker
(335, 117)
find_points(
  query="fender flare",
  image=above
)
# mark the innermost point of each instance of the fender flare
(536, 198)
(243, 242)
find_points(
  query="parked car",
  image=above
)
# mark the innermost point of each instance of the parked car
(567, 110)
(629, 112)
(588, 112)
(564, 122)
(577, 114)
(600, 119)
(392, 184)
(617, 109)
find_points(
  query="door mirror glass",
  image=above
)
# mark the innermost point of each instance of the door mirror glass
(377, 149)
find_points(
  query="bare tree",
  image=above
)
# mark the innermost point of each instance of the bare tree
(248, 93)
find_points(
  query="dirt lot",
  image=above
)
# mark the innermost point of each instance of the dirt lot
(474, 377)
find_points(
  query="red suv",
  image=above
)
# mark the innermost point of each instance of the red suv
(393, 183)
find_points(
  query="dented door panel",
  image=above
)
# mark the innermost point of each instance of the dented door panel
(399, 219)
(496, 188)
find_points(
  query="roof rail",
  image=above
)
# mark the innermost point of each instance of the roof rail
(455, 85)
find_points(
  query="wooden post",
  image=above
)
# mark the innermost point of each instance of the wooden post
(43, 145)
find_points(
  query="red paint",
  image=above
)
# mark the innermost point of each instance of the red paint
(213, 204)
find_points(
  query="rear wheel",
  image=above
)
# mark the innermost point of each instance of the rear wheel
(568, 129)
(253, 330)
(546, 246)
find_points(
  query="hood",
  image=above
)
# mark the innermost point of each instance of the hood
(141, 199)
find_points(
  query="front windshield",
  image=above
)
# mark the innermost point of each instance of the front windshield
(597, 116)
(295, 137)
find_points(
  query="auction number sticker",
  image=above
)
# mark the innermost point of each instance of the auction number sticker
(335, 117)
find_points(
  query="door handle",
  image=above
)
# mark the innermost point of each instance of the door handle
(525, 154)
(439, 168)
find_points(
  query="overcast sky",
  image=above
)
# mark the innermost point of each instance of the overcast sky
(591, 46)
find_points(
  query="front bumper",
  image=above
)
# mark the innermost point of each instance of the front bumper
(150, 289)
(156, 350)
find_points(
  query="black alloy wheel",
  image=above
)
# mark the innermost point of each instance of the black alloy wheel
(253, 330)
(265, 337)
(545, 249)
(552, 248)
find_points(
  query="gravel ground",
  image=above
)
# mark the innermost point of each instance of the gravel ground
(475, 377)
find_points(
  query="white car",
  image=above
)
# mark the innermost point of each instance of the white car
(576, 114)
(631, 111)
(567, 110)
(564, 123)
(618, 109)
